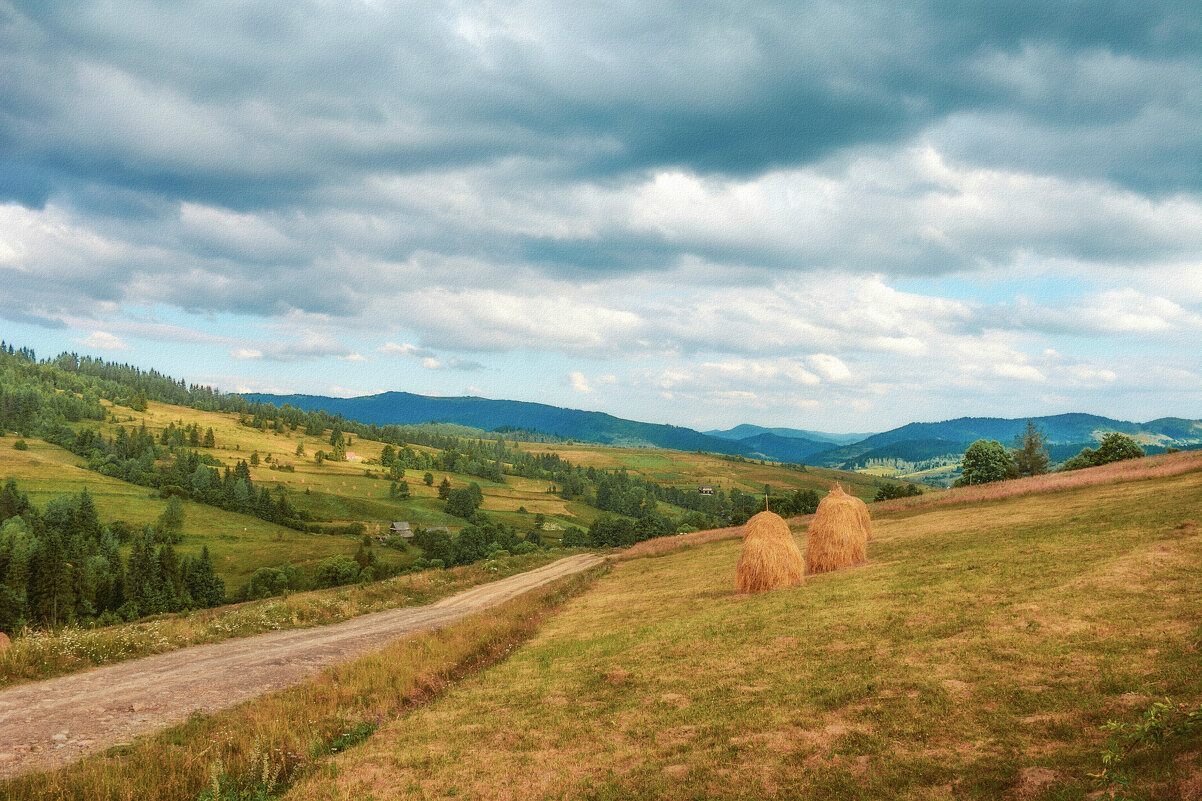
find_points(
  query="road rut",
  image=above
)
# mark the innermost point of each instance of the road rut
(51, 723)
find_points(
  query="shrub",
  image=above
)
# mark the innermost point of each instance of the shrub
(888, 492)
(336, 571)
(20, 445)
(1114, 447)
(984, 462)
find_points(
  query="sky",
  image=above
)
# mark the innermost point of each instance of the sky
(835, 216)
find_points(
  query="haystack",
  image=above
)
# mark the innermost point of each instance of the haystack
(839, 534)
(862, 511)
(770, 557)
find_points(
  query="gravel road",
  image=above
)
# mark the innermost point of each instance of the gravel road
(52, 723)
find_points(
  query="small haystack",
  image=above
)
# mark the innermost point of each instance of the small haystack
(770, 557)
(839, 534)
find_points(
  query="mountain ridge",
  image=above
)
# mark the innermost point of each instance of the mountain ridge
(1064, 431)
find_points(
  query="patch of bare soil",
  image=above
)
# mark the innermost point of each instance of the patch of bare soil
(48, 724)
(1033, 781)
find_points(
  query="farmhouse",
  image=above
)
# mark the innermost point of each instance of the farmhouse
(706, 490)
(400, 528)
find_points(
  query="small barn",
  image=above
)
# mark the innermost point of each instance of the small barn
(400, 528)
(706, 490)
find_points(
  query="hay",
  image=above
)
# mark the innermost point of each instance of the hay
(770, 558)
(838, 536)
(862, 511)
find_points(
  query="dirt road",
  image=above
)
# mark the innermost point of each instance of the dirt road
(55, 722)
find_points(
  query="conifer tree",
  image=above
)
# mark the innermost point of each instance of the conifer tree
(1030, 451)
(50, 578)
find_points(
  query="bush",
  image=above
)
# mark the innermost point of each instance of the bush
(1114, 447)
(888, 492)
(20, 445)
(335, 571)
(461, 503)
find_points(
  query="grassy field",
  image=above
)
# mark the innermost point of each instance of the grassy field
(253, 751)
(240, 544)
(342, 492)
(976, 655)
(688, 469)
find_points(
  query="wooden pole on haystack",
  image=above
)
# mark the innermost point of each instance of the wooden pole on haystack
(770, 557)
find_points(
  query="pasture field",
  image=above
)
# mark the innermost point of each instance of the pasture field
(239, 544)
(976, 655)
(690, 469)
(344, 492)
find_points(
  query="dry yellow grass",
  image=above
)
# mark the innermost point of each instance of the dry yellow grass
(838, 536)
(254, 750)
(973, 651)
(770, 558)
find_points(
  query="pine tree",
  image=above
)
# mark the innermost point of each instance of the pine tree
(143, 582)
(170, 524)
(1030, 451)
(50, 579)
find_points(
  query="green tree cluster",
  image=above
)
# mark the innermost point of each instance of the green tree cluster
(887, 492)
(1114, 447)
(60, 565)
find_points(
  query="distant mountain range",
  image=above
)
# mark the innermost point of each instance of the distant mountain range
(746, 431)
(405, 408)
(914, 442)
(1067, 434)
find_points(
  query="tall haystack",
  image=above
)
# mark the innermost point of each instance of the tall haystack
(862, 511)
(839, 534)
(770, 557)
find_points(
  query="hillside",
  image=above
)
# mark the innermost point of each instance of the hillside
(287, 500)
(1067, 434)
(241, 544)
(976, 655)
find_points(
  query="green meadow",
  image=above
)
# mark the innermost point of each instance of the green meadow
(240, 544)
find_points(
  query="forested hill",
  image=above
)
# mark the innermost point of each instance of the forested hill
(405, 408)
(1070, 431)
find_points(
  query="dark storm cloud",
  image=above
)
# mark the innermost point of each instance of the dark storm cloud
(267, 157)
(256, 104)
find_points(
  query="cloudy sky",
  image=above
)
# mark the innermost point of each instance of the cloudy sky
(843, 216)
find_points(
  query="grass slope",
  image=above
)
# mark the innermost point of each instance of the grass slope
(975, 656)
(240, 544)
(342, 492)
(690, 469)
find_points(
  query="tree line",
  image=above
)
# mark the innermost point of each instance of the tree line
(61, 565)
(986, 461)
